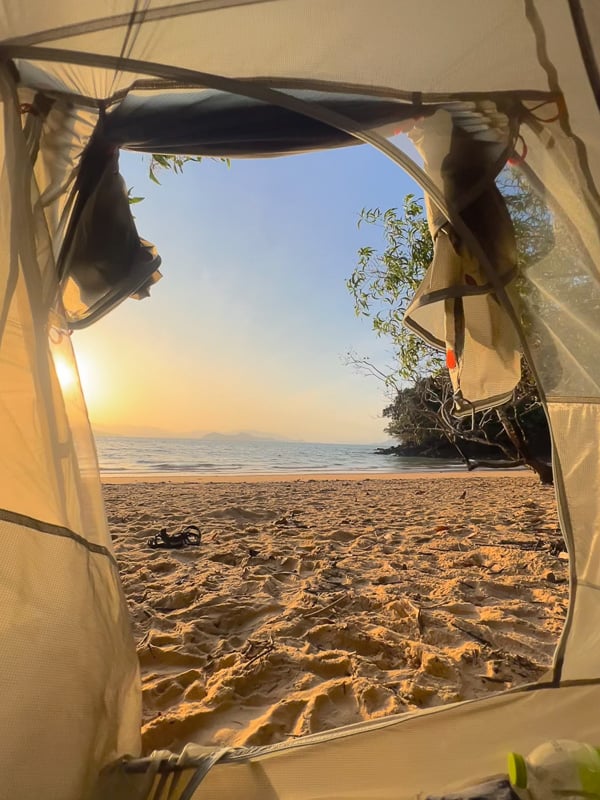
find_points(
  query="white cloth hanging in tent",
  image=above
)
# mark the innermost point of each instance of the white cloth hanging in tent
(456, 309)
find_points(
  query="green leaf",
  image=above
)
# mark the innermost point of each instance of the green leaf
(133, 200)
(152, 176)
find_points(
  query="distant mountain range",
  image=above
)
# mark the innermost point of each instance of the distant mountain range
(144, 432)
(240, 437)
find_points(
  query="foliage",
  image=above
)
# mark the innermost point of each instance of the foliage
(531, 218)
(174, 164)
(421, 419)
(383, 284)
(133, 200)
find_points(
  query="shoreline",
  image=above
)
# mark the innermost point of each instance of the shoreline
(291, 477)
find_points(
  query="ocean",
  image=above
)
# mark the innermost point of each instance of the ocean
(124, 455)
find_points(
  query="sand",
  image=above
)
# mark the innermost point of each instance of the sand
(315, 602)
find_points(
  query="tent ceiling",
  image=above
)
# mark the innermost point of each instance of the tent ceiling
(494, 45)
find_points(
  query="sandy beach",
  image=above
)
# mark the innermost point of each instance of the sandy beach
(317, 601)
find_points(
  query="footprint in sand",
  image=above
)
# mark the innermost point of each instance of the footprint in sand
(306, 566)
(177, 600)
(327, 665)
(513, 625)
(275, 725)
(162, 566)
(501, 590)
(432, 664)
(427, 690)
(343, 536)
(236, 617)
(377, 701)
(151, 655)
(241, 514)
(163, 693)
(230, 559)
(461, 609)
(526, 612)
(351, 639)
(334, 706)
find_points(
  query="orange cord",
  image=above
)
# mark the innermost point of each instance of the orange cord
(518, 158)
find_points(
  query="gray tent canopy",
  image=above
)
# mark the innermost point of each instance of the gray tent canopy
(472, 83)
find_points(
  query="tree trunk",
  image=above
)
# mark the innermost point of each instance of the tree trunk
(541, 468)
(463, 455)
(497, 464)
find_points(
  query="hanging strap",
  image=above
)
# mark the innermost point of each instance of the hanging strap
(206, 763)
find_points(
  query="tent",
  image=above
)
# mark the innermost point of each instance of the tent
(474, 83)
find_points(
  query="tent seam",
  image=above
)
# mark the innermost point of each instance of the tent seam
(264, 94)
(562, 399)
(32, 523)
(190, 78)
(276, 83)
(585, 45)
(122, 20)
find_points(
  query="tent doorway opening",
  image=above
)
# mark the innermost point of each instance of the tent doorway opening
(314, 604)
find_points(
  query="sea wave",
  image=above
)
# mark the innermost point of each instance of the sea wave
(136, 456)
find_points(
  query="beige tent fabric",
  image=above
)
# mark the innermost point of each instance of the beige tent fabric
(64, 131)
(554, 160)
(488, 365)
(423, 754)
(269, 40)
(69, 679)
(571, 78)
(399, 758)
(70, 694)
(575, 427)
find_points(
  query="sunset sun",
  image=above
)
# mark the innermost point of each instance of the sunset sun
(67, 371)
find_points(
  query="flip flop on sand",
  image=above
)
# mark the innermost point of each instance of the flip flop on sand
(188, 537)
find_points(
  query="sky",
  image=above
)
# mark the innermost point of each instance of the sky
(248, 328)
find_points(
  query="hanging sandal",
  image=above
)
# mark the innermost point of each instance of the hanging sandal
(190, 536)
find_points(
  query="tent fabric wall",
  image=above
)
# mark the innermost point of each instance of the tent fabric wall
(575, 427)
(420, 755)
(414, 755)
(69, 677)
(566, 70)
(69, 664)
